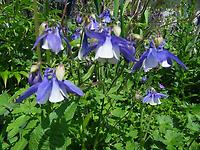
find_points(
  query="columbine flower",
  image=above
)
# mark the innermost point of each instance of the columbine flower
(79, 19)
(152, 97)
(35, 75)
(76, 34)
(105, 15)
(161, 86)
(52, 39)
(155, 56)
(93, 24)
(50, 88)
(108, 47)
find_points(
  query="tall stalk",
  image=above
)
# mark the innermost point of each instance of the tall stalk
(36, 22)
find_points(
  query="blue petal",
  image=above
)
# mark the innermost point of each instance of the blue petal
(86, 48)
(118, 40)
(71, 88)
(39, 39)
(147, 98)
(54, 42)
(65, 39)
(28, 93)
(172, 56)
(140, 62)
(159, 95)
(99, 36)
(128, 53)
(43, 91)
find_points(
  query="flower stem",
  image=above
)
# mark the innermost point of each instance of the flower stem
(36, 28)
(100, 120)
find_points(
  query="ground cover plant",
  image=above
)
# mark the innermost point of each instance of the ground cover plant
(99, 74)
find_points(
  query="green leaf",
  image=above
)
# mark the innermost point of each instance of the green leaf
(119, 146)
(114, 89)
(20, 145)
(131, 145)
(17, 76)
(89, 73)
(35, 138)
(86, 120)
(5, 76)
(14, 127)
(116, 8)
(24, 73)
(70, 111)
(118, 112)
(4, 99)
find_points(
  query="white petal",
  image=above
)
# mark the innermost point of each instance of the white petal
(165, 64)
(61, 47)
(56, 95)
(45, 45)
(105, 51)
(80, 55)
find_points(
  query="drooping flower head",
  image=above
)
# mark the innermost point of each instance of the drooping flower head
(76, 34)
(34, 75)
(155, 56)
(52, 39)
(152, 97)
(52, 88)
(105, 15)
(108, 47)
(79, 19)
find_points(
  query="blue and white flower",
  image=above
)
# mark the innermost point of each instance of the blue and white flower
(153, 98)
(93, 24)
(155, 56)
(105, 15)
(108, 47)
(51, 88)
(52, 39)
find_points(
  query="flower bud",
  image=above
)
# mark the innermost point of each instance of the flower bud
(60, 72)
(35, 75)
(42, 28)
(158, 41)
(137, 36)
(117, 30)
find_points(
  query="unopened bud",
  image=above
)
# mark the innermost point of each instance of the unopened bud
(158, 41)
(60, 72)
(137, 36)
(42, 28)
(34, 68)
(117, 30)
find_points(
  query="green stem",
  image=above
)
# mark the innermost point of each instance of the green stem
(100, 121)
(141, 126)
(48, 55)
(36, 28)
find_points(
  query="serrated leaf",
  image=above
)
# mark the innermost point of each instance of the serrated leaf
(119, 146)
(131, 145)
(89, 73)
(70, 111)
(14, 127)
(20, 145)
(35, 138)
